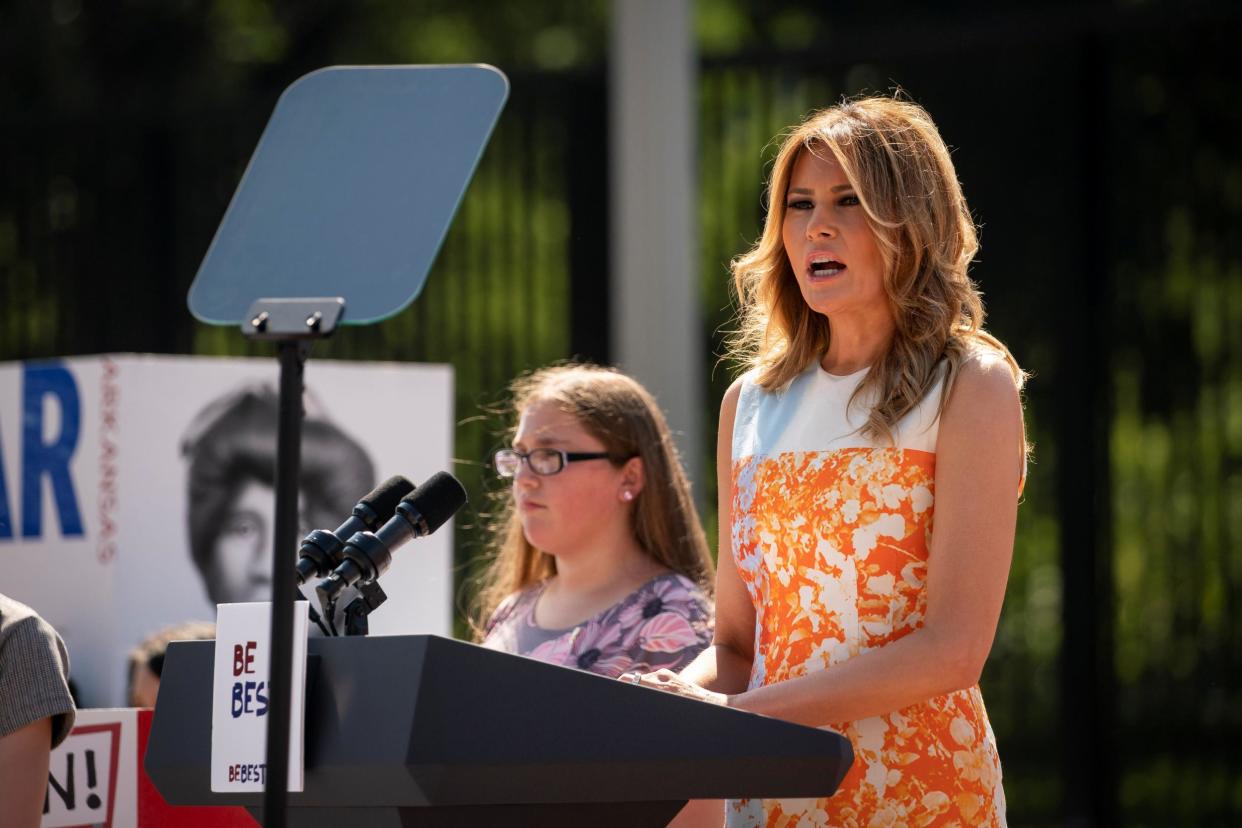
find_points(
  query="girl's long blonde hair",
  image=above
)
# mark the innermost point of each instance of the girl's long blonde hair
(900, 169)
(624, 416)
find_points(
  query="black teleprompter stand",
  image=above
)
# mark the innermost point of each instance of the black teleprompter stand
(347, 197)
(294, 324)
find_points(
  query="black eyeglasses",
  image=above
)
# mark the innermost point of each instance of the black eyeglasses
(540, 460)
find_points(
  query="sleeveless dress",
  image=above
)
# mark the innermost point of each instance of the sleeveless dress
(666, 622)
(830, 534)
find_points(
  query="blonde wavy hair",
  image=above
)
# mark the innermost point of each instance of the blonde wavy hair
(900, 169)
(624, 416)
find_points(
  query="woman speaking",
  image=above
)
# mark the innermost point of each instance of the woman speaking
(870, 463)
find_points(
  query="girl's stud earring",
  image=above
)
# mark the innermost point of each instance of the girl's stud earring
(627, 495)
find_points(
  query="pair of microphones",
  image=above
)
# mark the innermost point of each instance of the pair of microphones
(361, 548)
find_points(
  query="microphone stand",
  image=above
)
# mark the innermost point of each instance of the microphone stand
(370, 596)
(293, 324)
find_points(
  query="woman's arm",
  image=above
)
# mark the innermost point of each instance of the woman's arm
(978, 468)
(724, 667)
(24, 758)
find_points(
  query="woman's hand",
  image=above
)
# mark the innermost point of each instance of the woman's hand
(670, 682)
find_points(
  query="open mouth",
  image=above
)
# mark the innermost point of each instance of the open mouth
(824, 266)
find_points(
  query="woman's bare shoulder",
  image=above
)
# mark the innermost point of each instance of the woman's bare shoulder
(986, 374)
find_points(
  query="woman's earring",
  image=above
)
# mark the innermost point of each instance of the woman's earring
(627, 495)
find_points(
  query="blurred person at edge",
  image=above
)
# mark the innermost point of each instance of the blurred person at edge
(146, 661)
(36, 710)
(874, 398)
(231, 448)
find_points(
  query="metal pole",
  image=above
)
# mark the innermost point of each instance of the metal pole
(288, 470)
(656, 326)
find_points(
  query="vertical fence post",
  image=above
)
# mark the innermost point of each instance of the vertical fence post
(590, 282)
(1083, 470)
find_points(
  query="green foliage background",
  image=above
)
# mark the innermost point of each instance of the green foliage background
(125, 124)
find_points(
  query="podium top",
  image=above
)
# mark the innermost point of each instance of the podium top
(350, 190)
(423, 721)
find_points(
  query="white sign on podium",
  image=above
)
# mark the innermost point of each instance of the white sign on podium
(240, 692)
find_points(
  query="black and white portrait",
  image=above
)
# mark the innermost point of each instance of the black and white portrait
(231, 451)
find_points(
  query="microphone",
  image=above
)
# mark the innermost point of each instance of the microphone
(321, 550)
(368, 554)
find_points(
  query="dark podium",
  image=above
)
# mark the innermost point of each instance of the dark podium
(428, 731)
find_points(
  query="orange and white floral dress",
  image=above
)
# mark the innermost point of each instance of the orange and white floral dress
(830, 533)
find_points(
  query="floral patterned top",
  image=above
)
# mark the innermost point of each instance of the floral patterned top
(666, 622)
(830, 534)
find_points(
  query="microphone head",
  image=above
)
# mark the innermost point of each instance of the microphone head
(383, 500)
(437, 500)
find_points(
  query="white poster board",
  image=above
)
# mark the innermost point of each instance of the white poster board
(241, 686)
(98, 462)
(93, 774)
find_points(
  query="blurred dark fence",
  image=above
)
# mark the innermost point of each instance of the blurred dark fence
(1098, 148)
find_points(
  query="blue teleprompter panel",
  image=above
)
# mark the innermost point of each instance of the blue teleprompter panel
(351, 190)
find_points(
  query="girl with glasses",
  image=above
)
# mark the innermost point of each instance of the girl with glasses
(601, 563)
(874, 400)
